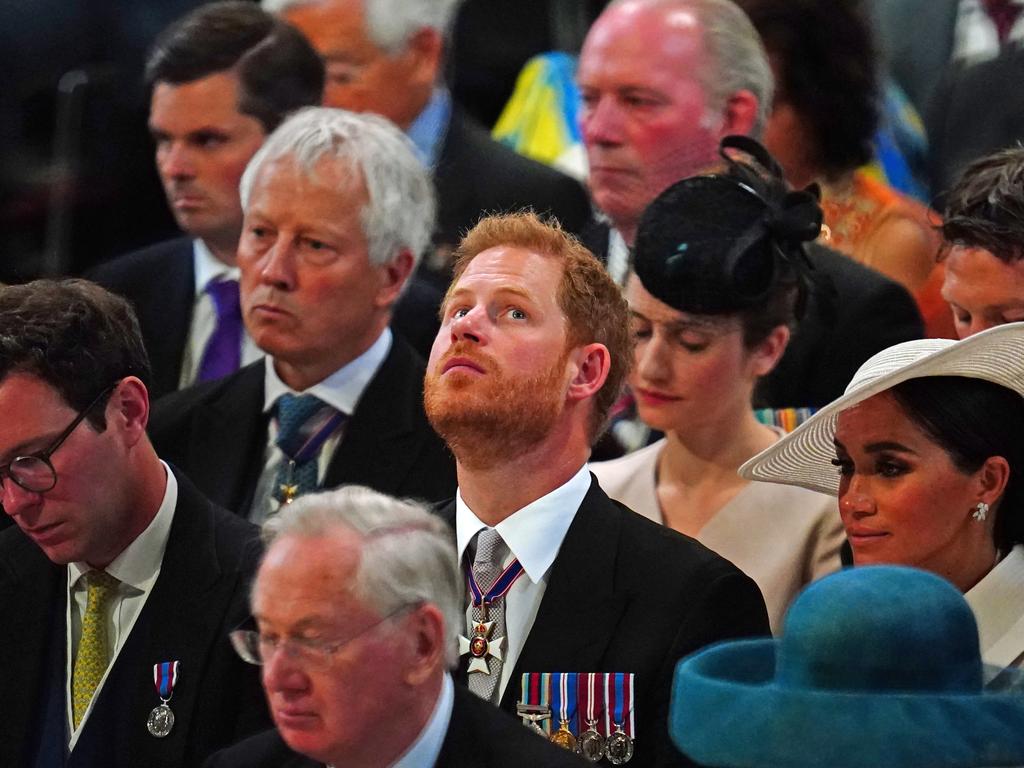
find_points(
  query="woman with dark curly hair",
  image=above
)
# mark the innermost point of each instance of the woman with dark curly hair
(824, 117)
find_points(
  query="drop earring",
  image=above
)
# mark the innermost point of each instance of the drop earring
(980, 511)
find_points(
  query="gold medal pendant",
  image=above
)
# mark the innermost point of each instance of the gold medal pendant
(563, 737)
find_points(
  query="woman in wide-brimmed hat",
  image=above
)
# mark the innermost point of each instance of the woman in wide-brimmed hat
(720, 278)
(926, 454)
(877, 667)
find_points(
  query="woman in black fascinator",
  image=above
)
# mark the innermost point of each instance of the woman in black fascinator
(720, 280)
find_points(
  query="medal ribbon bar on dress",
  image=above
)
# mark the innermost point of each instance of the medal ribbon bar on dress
(165, 675)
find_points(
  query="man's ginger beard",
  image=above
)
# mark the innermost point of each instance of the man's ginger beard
(490, 419)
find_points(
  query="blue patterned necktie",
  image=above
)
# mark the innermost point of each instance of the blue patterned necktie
(304, 423)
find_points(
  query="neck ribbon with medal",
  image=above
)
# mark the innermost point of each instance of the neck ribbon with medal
(604, 700)
(161, 719)
(480, 645)
(331, 419)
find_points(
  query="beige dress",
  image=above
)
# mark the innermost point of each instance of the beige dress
(781, 536)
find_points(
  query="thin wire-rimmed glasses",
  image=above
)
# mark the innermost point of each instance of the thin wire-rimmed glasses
(254, 648)
(34, 472)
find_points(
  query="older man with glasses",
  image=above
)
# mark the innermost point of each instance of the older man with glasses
(357, 604)
(120, 582)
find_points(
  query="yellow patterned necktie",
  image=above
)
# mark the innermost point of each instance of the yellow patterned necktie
(94, 646)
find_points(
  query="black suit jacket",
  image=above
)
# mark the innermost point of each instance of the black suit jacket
(476, 175)
(852, 313)
(628, 595)
(975, 110)
(479, 736)
(160, 283)
(202, 593)
(217, 433)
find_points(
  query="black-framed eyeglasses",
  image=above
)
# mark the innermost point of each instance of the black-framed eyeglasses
(34, 472)
(255, 648)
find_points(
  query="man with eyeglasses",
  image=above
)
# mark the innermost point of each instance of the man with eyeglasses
(357, 604)
(121, 581)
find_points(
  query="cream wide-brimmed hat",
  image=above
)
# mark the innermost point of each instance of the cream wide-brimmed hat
(804, 456)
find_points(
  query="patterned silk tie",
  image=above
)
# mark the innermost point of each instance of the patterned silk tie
(223, 353)
(304, 423)
(94, 645)
(490, 551)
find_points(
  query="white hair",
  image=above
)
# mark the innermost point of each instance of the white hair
(736, 59)
(390, 23)
(407, 556)
(399, 213)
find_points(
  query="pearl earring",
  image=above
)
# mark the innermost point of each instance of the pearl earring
(980, 511)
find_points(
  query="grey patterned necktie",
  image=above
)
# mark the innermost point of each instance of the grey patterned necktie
(490, 551)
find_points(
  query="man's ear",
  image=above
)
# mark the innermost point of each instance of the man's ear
(425, 633)
(394, 275)
(740, 115)
(592, 363)
(425, 50)
(128, 407)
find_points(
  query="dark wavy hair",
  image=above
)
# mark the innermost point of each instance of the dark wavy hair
(985, 208)
(973, 420)
(825, 57)
(277, 68)
(73, 335)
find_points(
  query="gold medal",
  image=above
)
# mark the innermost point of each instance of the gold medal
(563, 737)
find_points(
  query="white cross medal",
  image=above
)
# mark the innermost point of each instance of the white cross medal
(481, 646)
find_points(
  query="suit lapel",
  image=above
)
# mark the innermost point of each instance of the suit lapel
(168, 320)
(173, 626)
(580, 608)
(228, 437)
(381, 444)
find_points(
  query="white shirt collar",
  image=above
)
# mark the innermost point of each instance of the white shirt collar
(534, 533)
(425, 750)
(139, 564)
(998, 604)
(209, 268)
(343, 388)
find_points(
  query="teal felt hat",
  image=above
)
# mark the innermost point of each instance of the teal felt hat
(877, 667)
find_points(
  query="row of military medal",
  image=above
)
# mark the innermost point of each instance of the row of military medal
(590, 713)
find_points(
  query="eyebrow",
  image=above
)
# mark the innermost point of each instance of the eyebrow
(690, 324)
(882, 445)
(505, 289)
(22, 448)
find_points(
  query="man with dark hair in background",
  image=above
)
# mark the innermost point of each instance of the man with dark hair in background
(984, 229)
(221, 78)
(121, 581)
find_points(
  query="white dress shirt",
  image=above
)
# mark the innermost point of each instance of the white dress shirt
(998, 604)
(341, 390)
(208, 269)
(976, 38)
(137, 569)
(533, 534)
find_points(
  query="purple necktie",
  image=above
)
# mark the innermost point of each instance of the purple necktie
(1004, 15)
(223, 353)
